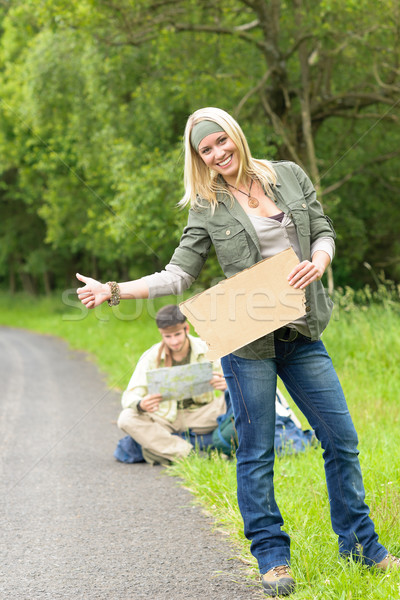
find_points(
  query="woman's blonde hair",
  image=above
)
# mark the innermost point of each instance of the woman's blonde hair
(204, 183)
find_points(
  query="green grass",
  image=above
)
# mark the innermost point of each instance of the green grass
(365, 346)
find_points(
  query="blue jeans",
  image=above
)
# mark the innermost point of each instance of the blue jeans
(308, 374)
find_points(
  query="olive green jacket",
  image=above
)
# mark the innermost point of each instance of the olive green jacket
(237, 245)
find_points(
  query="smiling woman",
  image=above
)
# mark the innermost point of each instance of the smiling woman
(220, 153)
(252, 209)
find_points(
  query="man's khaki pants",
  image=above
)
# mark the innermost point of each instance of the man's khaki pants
(154, 433)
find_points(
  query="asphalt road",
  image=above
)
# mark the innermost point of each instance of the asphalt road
(75, 523)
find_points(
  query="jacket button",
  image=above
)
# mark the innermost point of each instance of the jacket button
(308, 308)
(228, 232)
(304, 205)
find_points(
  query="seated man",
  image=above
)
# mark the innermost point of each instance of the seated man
(153, 423)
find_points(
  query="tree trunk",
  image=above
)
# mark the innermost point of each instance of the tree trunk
(28, 284)
(12, 281)
(47, 283)
(306, 116)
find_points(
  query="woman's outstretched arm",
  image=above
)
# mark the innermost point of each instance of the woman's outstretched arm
(94, 292)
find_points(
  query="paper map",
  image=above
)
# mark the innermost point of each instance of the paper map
(180, 383)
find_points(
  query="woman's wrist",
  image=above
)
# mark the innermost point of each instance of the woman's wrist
(321, 261)
(106, 291)
(115, 293)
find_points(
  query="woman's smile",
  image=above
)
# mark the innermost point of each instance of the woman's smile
(225, 162)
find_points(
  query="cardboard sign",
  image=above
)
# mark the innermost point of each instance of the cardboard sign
(247, 306)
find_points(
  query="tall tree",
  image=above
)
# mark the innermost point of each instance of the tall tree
(312, 68)
(96, 94)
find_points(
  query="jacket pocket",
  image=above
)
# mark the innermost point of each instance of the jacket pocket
(299, 215)
(230, 244)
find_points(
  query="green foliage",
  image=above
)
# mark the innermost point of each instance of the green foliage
(95, 96)
(384, 293)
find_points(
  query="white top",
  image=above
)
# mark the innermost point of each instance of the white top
(275, 236)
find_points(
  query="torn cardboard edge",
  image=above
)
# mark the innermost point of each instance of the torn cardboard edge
(246, 306)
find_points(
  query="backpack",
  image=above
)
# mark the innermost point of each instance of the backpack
(224, 437)
(128, 451)
(289, 437)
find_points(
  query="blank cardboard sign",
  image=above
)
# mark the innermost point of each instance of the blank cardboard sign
(247, 306)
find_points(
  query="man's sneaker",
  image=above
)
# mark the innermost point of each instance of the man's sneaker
(389, 562)
(278, 581)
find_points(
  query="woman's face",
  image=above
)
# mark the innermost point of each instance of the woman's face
(219, 153)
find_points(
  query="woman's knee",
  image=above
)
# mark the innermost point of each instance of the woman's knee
(339, 441)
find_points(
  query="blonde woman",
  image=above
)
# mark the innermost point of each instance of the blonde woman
(252, 209)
